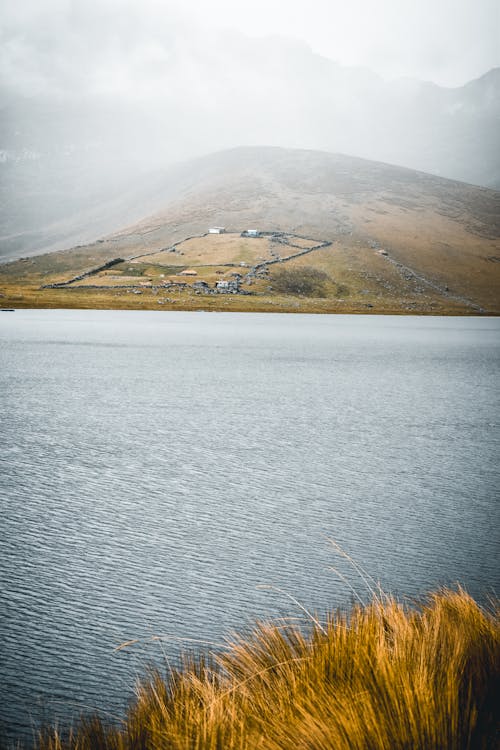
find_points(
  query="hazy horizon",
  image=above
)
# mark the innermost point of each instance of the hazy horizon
(106, 46)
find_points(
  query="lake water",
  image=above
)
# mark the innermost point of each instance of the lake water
(156, 468)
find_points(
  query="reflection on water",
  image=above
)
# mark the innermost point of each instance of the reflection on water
(158, 467)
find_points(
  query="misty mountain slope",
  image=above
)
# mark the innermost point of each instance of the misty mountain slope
(395, 233)
(64, 157)
(49, 203)
(445, 229)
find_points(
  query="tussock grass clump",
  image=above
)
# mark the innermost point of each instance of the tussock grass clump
(382, 676)
(306, 281)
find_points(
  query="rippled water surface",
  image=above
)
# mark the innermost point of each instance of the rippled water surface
(157, 467)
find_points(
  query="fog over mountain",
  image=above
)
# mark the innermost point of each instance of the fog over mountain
(95, 97)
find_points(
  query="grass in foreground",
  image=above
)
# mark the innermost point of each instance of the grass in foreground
(384, 676)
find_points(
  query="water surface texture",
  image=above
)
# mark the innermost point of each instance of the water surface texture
(156, 468)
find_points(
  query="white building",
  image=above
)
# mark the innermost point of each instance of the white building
(252, 232)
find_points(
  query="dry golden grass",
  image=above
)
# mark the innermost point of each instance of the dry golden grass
(364, 276)
(300, 242)
(441, 248)
(214, 249)
(103, 279)
(382, 676)
(81, 298)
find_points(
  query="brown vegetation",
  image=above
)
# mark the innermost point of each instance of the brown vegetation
(384, 676)
(305, 281)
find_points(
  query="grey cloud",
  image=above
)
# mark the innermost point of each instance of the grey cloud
(76, 48)
(140, 49)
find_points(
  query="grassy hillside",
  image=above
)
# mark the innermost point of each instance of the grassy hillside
(383, 676)
(394, 240)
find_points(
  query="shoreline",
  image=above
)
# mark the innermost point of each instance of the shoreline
(227, 303)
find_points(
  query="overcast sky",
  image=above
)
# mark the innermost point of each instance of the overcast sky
(446, 41)
(102, 45)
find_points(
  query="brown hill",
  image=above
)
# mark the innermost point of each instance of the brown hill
(399, 239)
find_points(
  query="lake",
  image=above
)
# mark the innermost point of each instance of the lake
(159, 468)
